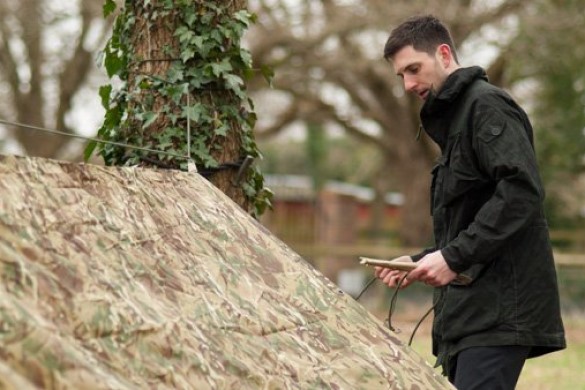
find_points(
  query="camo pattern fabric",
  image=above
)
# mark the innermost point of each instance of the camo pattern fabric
(130, 278)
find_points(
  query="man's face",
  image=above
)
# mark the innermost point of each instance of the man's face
(420, 71)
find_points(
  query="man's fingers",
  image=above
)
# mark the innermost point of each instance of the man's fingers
(405, 283)
(416, 274)
(381, 272)
(393, 279)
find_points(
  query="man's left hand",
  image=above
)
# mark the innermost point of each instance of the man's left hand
(433, 270)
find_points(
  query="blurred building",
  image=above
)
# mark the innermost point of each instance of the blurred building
(338, 213)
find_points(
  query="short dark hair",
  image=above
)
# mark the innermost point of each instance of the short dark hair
(423, 33)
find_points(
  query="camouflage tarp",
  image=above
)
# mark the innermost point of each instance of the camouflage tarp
(127, 278)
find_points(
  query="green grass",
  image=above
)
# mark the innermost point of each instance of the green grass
(564, 370)
(560, 370)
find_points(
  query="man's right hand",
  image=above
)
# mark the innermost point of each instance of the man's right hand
(392, 277)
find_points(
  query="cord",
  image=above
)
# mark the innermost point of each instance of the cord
(357, 298)
(424, 317)
(393, 301)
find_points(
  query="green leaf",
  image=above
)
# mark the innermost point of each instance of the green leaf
(268, 74)
(243, 16)
(197, 41)
(109, 7)
(91, 145)
(184, 34)
(222, 67)
(113, 117)
(217, 36)
(187, 54)
(175, 92)
(194, 112)
(191, 17)
(235, 83)
(175, 74)
(222, 130)
(105, 91)
(149, 118)
(113, 63)
(246, 57)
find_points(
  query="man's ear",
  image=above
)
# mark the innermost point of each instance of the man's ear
(445, 55)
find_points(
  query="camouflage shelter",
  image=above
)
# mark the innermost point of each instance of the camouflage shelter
(127, 278)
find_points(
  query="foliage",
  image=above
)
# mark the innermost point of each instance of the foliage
(205, 57)
(316, 146)
(556, 62)
(342, 159)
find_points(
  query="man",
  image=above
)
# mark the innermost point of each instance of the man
(488, 221)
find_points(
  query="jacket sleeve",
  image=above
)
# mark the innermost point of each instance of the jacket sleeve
(503, 145)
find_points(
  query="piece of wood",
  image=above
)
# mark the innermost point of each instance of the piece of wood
(407, 267)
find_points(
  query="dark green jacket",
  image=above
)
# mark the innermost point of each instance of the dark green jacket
(489, 223)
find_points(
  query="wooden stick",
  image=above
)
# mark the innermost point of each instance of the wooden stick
(407, 267)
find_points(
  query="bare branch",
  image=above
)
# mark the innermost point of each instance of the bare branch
(284, 119)
(75, 69)
(29, 14)
(7, 61)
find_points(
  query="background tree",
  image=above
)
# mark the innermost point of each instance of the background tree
(555, 60)
(327, 55)
(183, 93)
(46, 54)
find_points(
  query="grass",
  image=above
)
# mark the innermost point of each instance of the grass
(562, 370)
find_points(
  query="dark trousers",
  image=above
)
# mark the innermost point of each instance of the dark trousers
(488, 368)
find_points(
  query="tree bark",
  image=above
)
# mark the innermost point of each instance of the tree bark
(149, 40)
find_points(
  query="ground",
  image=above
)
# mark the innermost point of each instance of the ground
(560, 370)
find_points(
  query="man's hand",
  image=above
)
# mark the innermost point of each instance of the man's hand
(392, 277)
(432, 270)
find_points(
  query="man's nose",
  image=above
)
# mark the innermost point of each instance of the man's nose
(409, 84)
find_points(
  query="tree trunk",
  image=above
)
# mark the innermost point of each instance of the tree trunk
(416, 223)
(151, 41)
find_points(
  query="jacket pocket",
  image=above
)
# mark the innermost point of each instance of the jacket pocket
(472, 308)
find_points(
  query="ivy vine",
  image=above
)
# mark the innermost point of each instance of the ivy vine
(154, 111)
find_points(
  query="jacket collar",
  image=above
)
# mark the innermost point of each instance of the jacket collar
(438, 109)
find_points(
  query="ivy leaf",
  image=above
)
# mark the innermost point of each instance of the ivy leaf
(243, 16)
(112, 118)
(184, 34)
(221, 68)
(149, 118)
(198, 42)
(113, 63)
(187, 54)
(109, 7)
(105, 91)
(222, 130)
(91, 145)
(268, 74)
(235, 83)
(246, 57)
(217, 36)
(175, 74)
(191, 18)
(175, 92)
(194, 112)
